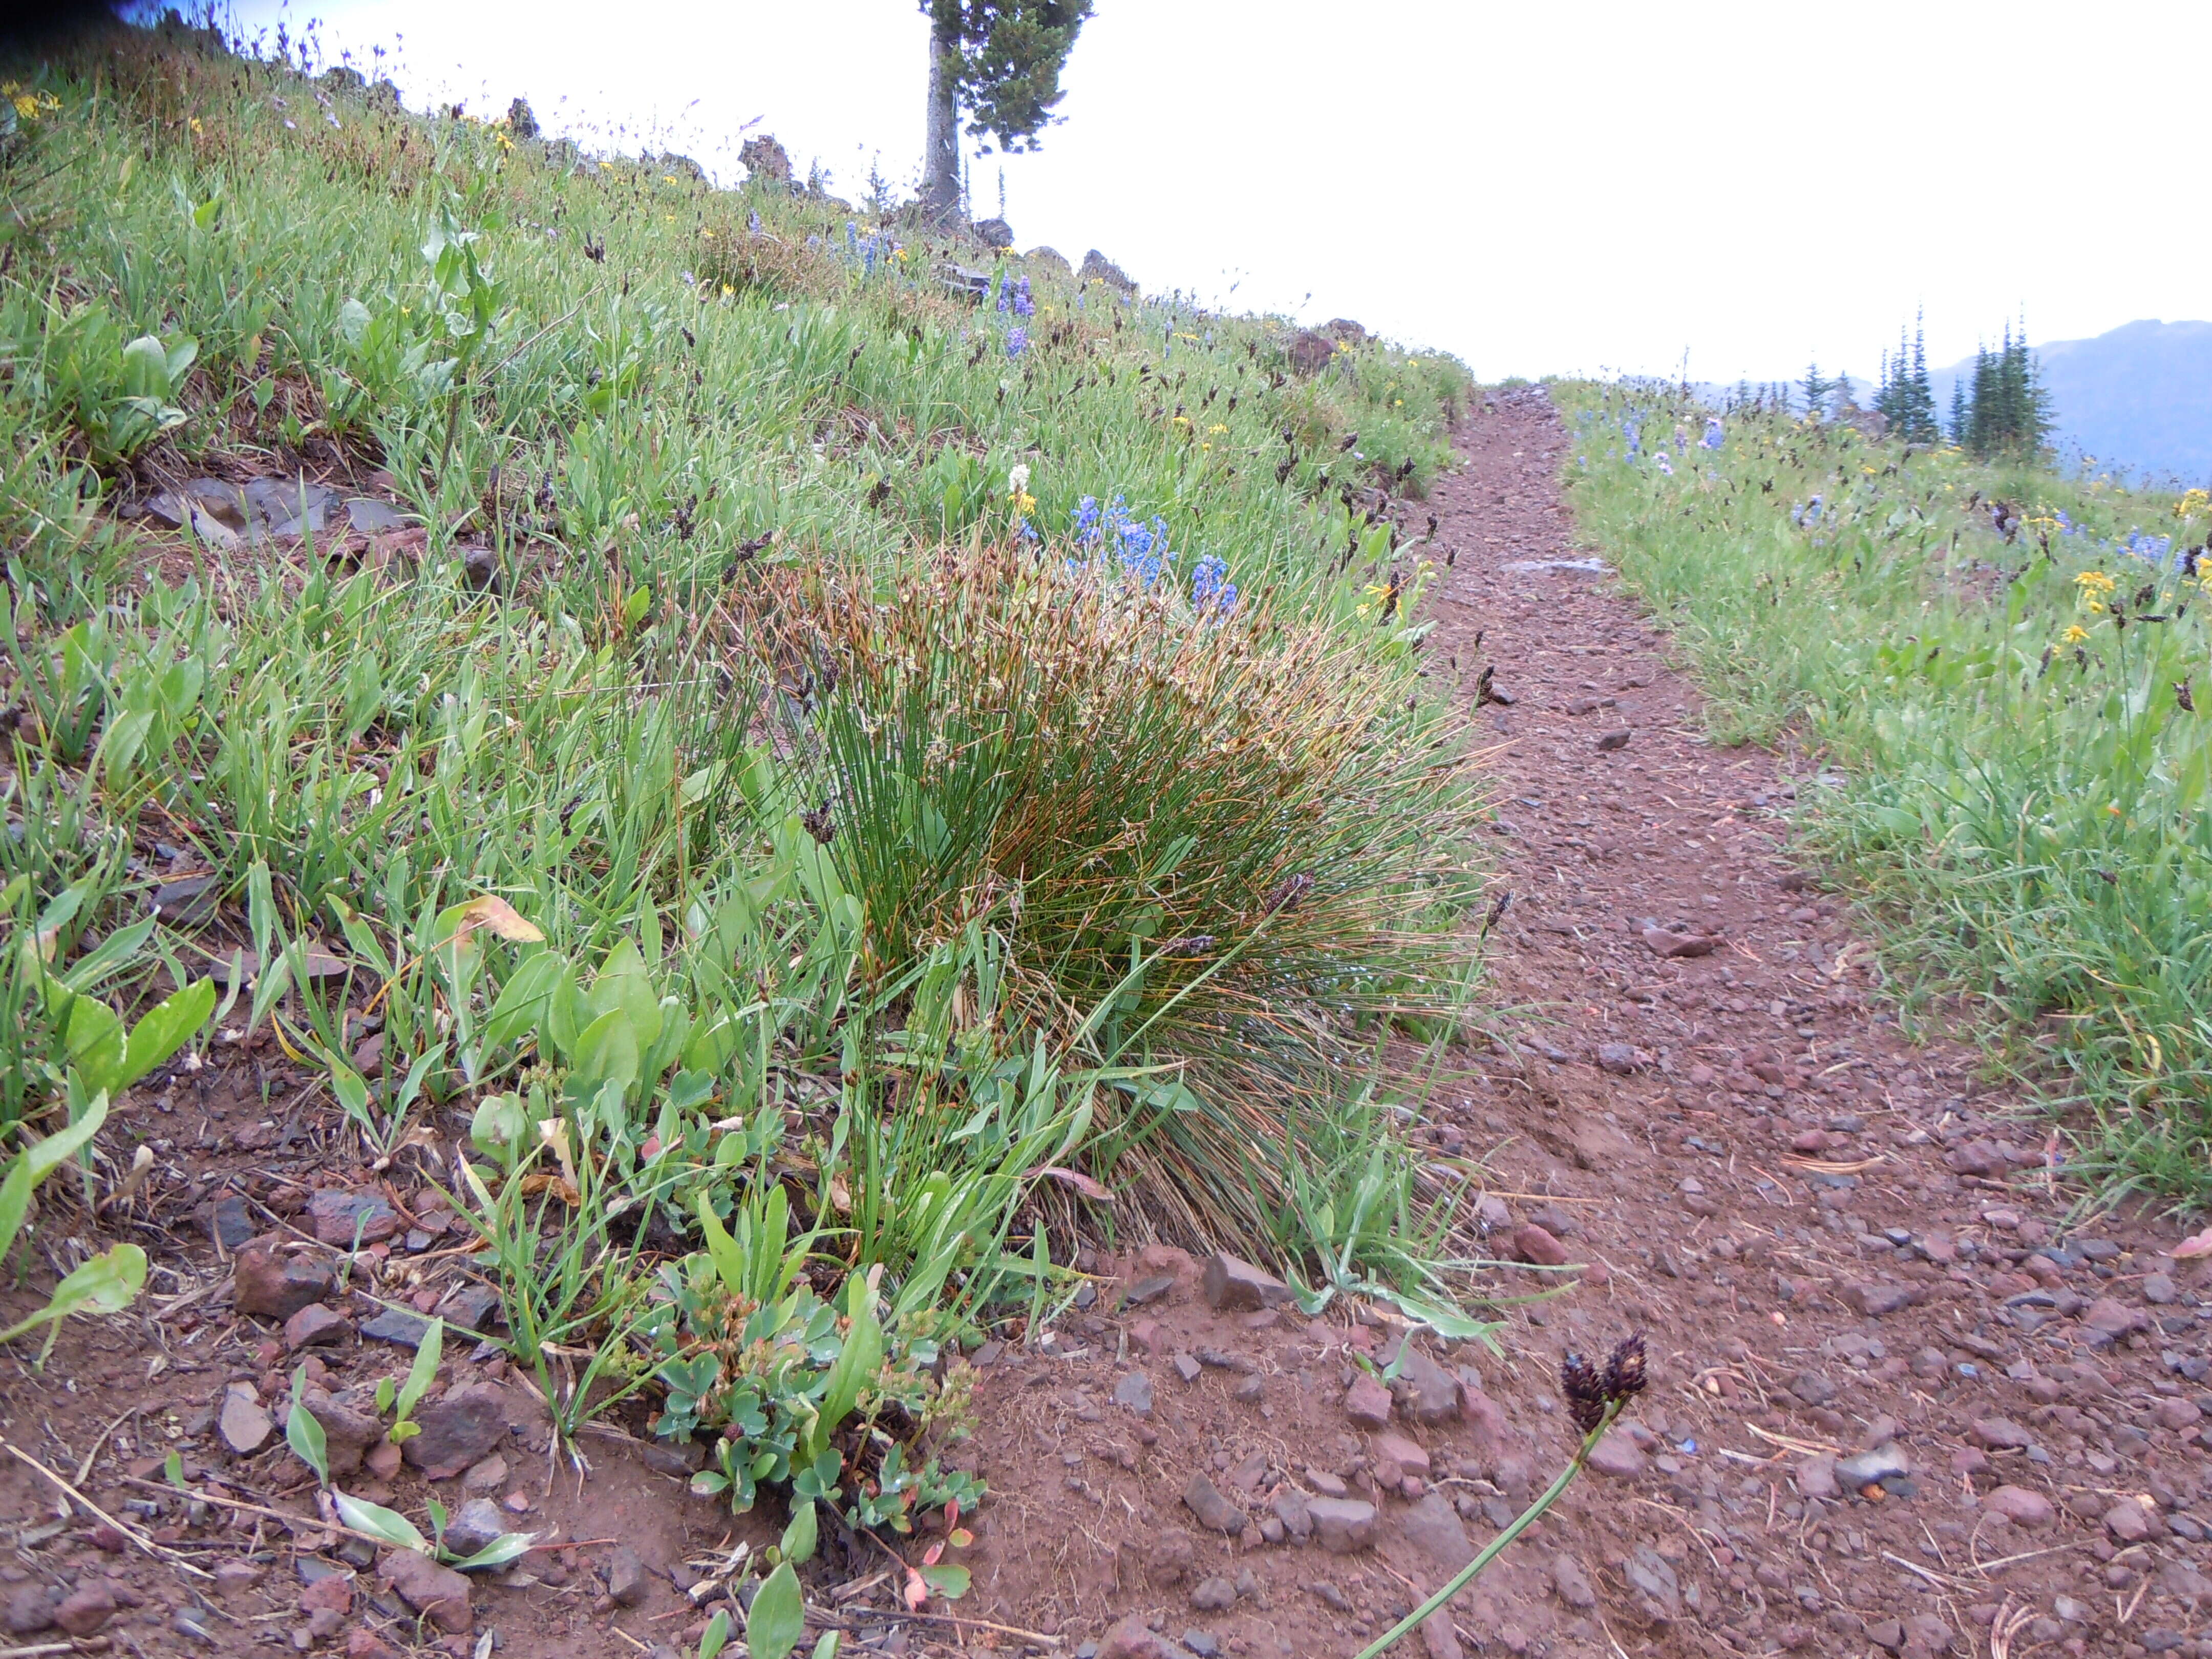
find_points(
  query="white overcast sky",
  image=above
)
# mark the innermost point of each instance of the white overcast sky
(1541, 188)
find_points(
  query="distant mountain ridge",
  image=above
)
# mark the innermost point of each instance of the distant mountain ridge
(2138, 399)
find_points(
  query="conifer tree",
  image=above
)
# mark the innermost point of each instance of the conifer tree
(1960, 418)
(1816, 388)
(998, 62)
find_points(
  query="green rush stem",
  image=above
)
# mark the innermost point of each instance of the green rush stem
(1496, 1545)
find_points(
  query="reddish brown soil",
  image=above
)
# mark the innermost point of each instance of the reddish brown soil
(1734, 1173)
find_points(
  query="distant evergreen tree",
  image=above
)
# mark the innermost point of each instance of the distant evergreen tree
(2008, 409)
(1917, 403)
(1959, 417)
(1816, 388)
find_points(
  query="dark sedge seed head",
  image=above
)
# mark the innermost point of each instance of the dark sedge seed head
(1624, 1370)
(1584, 1391)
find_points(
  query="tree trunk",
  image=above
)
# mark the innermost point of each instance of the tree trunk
(941, 160)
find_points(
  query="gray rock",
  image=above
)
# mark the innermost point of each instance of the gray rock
(1816, 1478)
(1186, 1367)
(1434, 1528)
(1342, 1524)
(1999, 1434)
(396, 1326)
(1873, 1301)
(244, 1423)
(459, 1429)
(1572, 1583)
(315, 1324)
(1869, 1467)
(337, 1218)
(1214, 1513)
(232, 1223)
(187, 902)
(994, 233)
(350, 1425)
(1289, 1509)
(477, 1525)
(1133, 1393)
(1659, 1594)
(1426, 1392)
(29, 1610)
(1308, 353)
(1050, 260)
(1233, 1284)
(274, 1286)
(1618, 1057)
(1213, 1596)
(488, 1476)
(1097, 268)
(1617, 1455)
(438, 1593)
(1813, 1388)
(369, 517)
(765, 159)
(626, 1580)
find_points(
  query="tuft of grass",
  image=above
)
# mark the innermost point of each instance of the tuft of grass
(1213, 839)
(1995, 667)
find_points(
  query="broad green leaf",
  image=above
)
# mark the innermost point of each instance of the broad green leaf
(35, 1162)
(827, 1646)
(145, 368)
(607, 1052)
(949, 1581)
(106, 1284)
(507, 1546)
(717, 1634)
(168, 1025)
(424, 1370)
(304, 1435)
(729, 1260)
(521, 1001)
(378, 1521)
(353, 322)
(624, 983)
(93, 1041)
(800, 1537)
(778, 1616)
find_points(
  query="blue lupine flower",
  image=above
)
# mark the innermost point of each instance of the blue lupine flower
(1665, 466)
(852, 237)
(753, 222)
(1210, 586)
(1083, 522)
(1003, 295)
(1023, 306)
(1017, 342)
(1715, 437)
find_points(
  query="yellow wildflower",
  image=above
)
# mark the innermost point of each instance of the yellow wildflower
(2073, 634)
(1217, 426)
(2095, 582)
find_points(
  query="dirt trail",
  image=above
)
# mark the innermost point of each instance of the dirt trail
(1813, 1223)
(1816, 1224)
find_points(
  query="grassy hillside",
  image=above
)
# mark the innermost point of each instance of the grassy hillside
(872, 780)
(1999, 669)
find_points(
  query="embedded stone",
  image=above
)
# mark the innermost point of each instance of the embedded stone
(1343, 1524)
(438, 1593)
(1214, 1513)
(274, 1286)
(1233, 1284)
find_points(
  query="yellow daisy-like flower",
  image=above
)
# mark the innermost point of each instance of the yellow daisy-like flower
(2073, 634)
(1025, 502)
(2095, 582)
